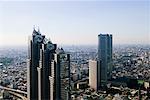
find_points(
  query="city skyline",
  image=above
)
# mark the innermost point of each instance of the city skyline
(75, 22)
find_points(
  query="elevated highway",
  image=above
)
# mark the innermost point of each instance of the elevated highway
(17, 93)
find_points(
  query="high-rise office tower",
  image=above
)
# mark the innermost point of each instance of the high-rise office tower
(94, 74)
(39, 64)
(35, 44)
(105, 56)
(44, 69)
(60, 76)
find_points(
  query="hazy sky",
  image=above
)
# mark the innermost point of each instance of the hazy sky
(75, 22)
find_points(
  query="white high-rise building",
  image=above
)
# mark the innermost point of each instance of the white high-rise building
(94, 74)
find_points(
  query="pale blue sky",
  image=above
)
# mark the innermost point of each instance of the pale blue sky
(75, 22)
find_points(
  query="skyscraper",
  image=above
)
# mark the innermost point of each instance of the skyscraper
(35, 45)
(46, 56)
(39, 64)
(60, 76)
(94, 74)
(105, 56)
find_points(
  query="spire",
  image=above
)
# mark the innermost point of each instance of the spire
(35, 32)
(33, 27)
(38, 29)
(49, 40)
(59, 51)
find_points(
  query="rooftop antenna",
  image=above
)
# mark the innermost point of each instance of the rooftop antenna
(38, 29)
(49, 40)
(33, 27)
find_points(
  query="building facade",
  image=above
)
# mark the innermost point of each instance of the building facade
(105, 56)
(60, 76)
(94, 74)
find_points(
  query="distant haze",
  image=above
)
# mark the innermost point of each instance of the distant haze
(75, 22)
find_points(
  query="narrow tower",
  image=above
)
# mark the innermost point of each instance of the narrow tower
(35, 44)
(105, 56)
(94, 74)
(60, 76)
